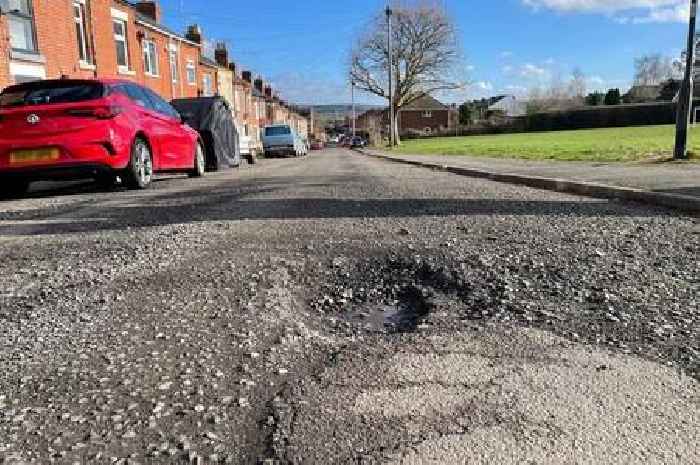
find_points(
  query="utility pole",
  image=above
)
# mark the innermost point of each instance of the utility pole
(685, 99)
(354, 114)
(392, 137)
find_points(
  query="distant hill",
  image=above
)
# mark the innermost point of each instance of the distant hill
(340, 111)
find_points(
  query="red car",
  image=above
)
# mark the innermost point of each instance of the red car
(68, 129)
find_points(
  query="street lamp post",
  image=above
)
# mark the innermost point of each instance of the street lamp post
(685, 98)
(354, 114)
(389, 13)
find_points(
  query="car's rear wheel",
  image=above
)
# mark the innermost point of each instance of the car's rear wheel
(13, 188)
(252, 158)
(139, 173)
(200, 162)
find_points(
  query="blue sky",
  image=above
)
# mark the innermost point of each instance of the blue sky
(509, 45)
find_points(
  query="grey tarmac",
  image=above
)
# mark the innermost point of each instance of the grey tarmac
(341, 309)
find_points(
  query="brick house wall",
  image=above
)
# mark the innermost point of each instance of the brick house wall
(418, 120)
(164, 83)
(58, 53)
(4, 52)
(224, 84)
(207, 71)
(189, 56)
(101, 15)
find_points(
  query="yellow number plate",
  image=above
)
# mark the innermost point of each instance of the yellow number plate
(34, 156)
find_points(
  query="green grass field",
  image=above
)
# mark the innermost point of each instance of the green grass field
(613, 144)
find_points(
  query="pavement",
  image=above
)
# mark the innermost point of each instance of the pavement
(678, 179)
(343, 309)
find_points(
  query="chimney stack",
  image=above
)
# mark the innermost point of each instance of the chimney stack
(150, 9)
(194, 34)
(268, 92)
(247, 76)
(234, 69)
(221, 54)
(259, 85)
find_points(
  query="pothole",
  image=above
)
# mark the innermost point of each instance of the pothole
(404, 315)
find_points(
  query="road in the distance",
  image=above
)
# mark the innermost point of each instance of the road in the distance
(240, 317)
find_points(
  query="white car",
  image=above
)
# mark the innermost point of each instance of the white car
(247, 145)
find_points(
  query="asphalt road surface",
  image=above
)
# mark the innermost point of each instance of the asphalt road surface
(341, 309)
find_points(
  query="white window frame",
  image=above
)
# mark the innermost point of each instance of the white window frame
(121, 17)
(150, 58)
(174, 59)
(191, 67)
(27, 19)
(427, 114)
(207, 85)
(81, 21)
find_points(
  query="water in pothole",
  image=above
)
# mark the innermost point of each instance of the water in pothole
(386, 318)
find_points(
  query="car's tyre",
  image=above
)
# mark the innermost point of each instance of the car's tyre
(200, 162)
(212, 161)
(106, 180)
(13, 188)
(252, 159)
(139, 173)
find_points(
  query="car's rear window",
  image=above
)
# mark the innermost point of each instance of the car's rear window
(45, 93)
(277, 131)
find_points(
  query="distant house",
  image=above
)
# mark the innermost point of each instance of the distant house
(508, 106)
(425, 115)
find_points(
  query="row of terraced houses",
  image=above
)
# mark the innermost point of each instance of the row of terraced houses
(45, 39)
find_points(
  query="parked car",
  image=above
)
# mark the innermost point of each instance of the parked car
(282, 140)
(357, 142)
(248, 149)
(67, 129)
(317, 145)
(213, 119)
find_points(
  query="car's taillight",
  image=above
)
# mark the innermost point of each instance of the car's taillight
(105, 112)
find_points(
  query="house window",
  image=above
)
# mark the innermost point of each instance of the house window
(20, 16)
(81, 31)
(121, 44)
(174, 69)
(206, 86)
(427, 114)
(150, 58)
(191, 73)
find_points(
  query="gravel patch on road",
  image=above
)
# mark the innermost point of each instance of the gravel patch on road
(196, 323)
(494, 396)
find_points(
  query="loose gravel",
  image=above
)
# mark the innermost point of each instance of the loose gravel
(182, 324)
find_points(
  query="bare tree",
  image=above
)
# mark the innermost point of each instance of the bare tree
(425, 56)
(578, 85)
(558, 95)
(651, 70)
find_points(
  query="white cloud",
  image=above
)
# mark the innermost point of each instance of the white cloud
(596, 81)
(483, 85)
(530, 71)
(677, 14)
(624, 11)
